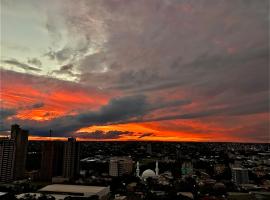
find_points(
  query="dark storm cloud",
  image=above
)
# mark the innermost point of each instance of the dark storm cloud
(125, 108)
(177, 43)
(236, 110)
(208, 46)
(200, 48)
(210, 74)
(173, 103)
(118, 110)
(41, 83)
(111, 134)
(4, 113)
(37, 105)
(103, 135)
(66, 69)
(34, 61)
(61, 55)
(145, 135)
(21, 65)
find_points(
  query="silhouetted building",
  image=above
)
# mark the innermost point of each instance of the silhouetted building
(149, 149)
(71, 158)
(187, 168)
(178, 154)
(7, 158)
(176, 170)
(240, 175)
(120, 166)
(52, 159)
(20, 137)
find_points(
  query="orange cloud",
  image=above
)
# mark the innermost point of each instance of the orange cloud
(58, 101)
(60, 98)
(157, 130)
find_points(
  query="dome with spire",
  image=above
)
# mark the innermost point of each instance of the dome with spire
(148, 174)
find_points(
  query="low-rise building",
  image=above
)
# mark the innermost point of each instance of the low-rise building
(76, 190)
(120, 166)
(240, 175)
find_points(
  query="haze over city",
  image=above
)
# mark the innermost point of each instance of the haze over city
(136, 70)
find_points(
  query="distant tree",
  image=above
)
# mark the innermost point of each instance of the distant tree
(150, 183)
(129, 179)
(35, 197)
(46, 197)
(205, 189)
(226, 175)
(29, 197)
(9, 196)
(116, 185)
(94, 197)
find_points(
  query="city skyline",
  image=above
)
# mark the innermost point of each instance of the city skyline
(136, 70)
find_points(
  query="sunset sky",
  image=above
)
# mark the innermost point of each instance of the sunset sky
(166, 70)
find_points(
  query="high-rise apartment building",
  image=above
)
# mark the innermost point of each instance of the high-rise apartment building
(179, 156)
(7, 158)
(240, 175)
(149, 149)
(52, 159)
(120, 166)
(71, 158)
(20, 138)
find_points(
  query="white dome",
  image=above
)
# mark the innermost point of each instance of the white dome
(148, 173)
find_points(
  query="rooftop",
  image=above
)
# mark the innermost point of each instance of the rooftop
(74, 189)
(3, 193)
